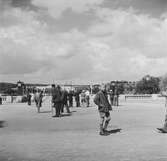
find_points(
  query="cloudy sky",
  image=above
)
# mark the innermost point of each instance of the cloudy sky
(82, 40)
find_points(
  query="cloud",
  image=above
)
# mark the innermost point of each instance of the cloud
(134, 43)
(118, 44)
(57, 7)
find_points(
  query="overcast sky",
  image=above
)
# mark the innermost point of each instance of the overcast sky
(82, 40)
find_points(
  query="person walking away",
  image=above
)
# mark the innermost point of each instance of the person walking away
(111, 94)
(0, 99)
(70, 98)
(65, 101)
(40, 99)
(53, 95)
(36, 98)
(57, 101)
(77, 98)
(29, 98)
(116, 97)
(101, 100)
(87, 93)
(83, 99)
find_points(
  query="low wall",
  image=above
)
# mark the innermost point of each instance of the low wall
(8, 99)
(143, 97)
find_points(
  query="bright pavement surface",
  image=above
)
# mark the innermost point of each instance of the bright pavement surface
(29, 136)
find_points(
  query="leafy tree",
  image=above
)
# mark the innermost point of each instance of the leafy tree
(163, 82)
(148, 85)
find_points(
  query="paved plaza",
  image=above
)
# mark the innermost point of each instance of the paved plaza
(26, 135)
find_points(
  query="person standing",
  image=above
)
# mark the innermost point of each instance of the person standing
(0, 99)
(57, 101)
(70, 98)
(87, 93)
(36, 98)
(83, 99)
(29, 98)
(53, 95)
(111, 94)
(65, 101)
(116, 97)
(164, 128)
(101, 100)
(77, 98)
(40, 99)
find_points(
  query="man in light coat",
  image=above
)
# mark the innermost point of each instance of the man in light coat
(164, 128)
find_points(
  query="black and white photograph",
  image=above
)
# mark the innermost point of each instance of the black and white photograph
(83, 80)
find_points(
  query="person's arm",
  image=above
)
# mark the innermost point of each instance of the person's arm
(97, 99)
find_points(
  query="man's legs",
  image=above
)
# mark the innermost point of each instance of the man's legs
(102, 119)
(67, 108)
(62, 108)
(164, 129)
(77, 103)
(87, 101)
(107, 120)
(165, 124)
(57, 110)
(70, 103)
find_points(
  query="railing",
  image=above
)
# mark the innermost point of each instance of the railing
(138, 96)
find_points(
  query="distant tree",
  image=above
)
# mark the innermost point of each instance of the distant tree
(148, 85)
(163, 82)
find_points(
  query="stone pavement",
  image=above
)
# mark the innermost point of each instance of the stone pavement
(29, 136)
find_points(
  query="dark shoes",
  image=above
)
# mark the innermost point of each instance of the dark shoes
(103, 133)
(162, 130)
(55, 116)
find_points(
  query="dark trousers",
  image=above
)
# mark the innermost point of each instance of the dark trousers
(112, 101)
(67, 107)
(87, 101)
(29, 102)
(70, 103)
(0, 101)
(77, 103)
(58, 108)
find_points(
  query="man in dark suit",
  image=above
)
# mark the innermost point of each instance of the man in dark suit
(101, 100)
(77, 98)
(70, 98)
(57, 100)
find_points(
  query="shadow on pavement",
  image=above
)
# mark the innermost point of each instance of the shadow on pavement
(45, 111)
(2, 124)
(73, 111)
(65, 114)
(114, 131)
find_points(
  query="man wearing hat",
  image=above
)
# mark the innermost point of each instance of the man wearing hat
(101, 100)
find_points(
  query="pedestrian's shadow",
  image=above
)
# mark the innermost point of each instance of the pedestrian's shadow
(66, 114)
(45, 111)
(73, 111)
(113, 131)
(2, 124)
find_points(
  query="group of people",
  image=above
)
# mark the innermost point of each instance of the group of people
(61, 99)
(114, 97)
(38, 96)
(85, 97)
